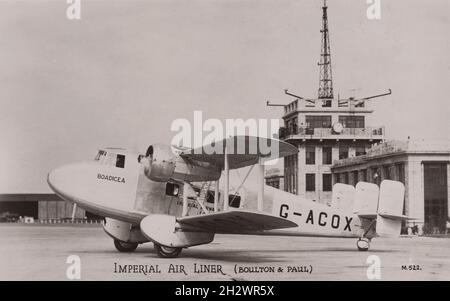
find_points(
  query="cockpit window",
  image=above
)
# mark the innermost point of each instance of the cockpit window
(99, 155)
(120, 161)
(110, 158)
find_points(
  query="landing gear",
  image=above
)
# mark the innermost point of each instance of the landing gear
(363, 244)
(126, 247)
(167, 252)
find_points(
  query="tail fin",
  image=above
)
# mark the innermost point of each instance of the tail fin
(390, 208)
(366, 200)
(343, 196)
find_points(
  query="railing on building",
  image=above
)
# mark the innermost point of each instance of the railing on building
(328, 133)
(392, 147)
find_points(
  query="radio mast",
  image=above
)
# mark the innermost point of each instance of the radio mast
(326, 79)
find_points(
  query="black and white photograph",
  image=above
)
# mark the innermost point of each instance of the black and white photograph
(224, 140)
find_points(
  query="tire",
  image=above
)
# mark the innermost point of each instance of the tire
(363, 245)
(167, 252)
(125, 247)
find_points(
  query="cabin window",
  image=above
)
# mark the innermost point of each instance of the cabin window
(120, 161)
(210, 196)
(172, 189)
(234, 201)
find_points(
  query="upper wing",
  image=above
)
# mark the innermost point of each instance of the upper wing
(234, 222)
(242, 151)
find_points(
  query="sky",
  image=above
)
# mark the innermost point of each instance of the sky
(126, 70)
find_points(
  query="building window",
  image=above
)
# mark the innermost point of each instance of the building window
(326, 155)
(376, 179)
(337, 178)
(310, 182)
(387, 173)
(290, 173)
(291, 125)
(401, 172)
(352, 121)
(343, 152)
(326, 182)
(310, 155)
(345, 178)
(363, 175)
(326, 103)
(318, 121)
(360, 150)
(355, 177)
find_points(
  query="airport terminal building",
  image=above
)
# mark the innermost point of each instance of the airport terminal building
(424, 169)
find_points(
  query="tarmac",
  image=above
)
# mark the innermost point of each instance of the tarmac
(42, 252)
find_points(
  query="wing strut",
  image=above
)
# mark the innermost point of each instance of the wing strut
(216, 197)
(74, 211)
(260, 185)
(227, 179)
(185, 199)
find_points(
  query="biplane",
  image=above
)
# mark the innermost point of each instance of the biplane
(171, 196)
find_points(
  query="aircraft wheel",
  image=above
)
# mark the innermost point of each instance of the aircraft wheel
(125, 246)
(363, 244)
(167, 252)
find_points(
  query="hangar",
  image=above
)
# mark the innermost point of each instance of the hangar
(41, 206)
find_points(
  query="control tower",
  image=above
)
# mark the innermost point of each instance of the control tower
(324, 129)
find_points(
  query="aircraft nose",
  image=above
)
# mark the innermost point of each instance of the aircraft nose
(58, 180)
(67, 181)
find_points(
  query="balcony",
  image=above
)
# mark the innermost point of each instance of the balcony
(369, 133)
(393, 147)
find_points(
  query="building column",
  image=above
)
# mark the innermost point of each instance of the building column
(369, 175)
(351, 180)
(334, 152)
(448, 190)
(416, 197)
(394, 172)
(407, 206)
(318, 173)
(301, 178)
(382, 173)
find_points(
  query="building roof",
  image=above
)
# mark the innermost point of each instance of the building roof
(395, 148)
(274, 172)
(28, 197)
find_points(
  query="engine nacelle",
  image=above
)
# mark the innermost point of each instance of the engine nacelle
(161, 163)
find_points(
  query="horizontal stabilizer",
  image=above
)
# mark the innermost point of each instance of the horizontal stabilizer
(397, 217)
(234, 222)
(367, 215)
